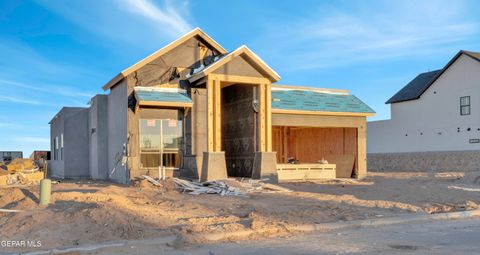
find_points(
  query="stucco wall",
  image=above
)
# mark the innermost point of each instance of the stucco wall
(57, 128)
(76, 145)
(433, 122)
(117, 132)
(98, 131)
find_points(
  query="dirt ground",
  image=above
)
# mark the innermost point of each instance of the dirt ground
(85, 212)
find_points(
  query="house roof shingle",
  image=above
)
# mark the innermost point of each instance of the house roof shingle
(306, 100)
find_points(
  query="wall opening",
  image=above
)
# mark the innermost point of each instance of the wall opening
(306, 145)
(239, 128)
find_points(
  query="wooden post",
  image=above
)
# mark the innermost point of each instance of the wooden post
(218, 116)
(268, 112)
(362, 150)
(262, 131)
(210, 106)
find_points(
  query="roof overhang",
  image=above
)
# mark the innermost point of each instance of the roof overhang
(195, 32)
(162, 97)
(241, 51)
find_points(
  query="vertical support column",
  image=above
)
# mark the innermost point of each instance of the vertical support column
(218, 116)
(262, 131)
(268, 112)
(362, 150)
(210, 114)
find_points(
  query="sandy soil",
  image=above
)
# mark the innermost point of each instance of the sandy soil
(91, 212)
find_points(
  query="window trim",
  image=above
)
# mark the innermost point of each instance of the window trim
(468, 106)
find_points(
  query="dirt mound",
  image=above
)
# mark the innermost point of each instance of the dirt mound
(21, 164)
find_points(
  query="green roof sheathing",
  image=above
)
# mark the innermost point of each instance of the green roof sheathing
(163, 96)
(306, 100)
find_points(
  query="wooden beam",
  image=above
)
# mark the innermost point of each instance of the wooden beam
(165, 104)
(238, 79)
(268, 112)
(362, 151)
(285, 144)
(282, 111)
(210, 117)
(218, 116)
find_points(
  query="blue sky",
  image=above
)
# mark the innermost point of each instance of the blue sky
(59, 53)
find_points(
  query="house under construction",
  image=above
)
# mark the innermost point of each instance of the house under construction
(193, 109)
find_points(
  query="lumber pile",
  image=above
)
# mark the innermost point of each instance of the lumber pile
(210, 187)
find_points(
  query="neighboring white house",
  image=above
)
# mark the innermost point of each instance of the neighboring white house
(436, 111)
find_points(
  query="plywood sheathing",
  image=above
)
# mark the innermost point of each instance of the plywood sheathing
(196, 34)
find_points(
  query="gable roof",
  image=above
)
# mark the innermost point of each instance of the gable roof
(195, 32)
(415, 88)
(242, 50)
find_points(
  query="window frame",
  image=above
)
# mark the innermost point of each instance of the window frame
(466, 106)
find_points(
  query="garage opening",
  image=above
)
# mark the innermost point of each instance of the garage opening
(239, 120)
(311, 145)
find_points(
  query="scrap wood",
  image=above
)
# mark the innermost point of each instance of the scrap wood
(10, 210)
(151, 180)
(275, 187)
(464, 188)
(212, 187)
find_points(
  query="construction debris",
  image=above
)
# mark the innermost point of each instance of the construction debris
(464, 188)
(211, 187)
(21, 178)
(151, 180)
(251, 185)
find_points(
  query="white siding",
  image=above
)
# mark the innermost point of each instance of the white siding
(430, 123)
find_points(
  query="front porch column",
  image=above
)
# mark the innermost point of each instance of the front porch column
(214, 166)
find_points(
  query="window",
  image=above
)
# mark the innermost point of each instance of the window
(61, 146)
(465, 105)
(160, 143)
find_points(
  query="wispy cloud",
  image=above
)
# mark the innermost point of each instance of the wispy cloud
(13, 99)
(31, 139)
(385, 30)
(169, 15)
(137, 22)
(56, 90)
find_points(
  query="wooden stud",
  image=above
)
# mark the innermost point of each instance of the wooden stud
(262, 131)
(210, 106)
(362, 151)
(218, 116)
(268, 112)
(285, 144)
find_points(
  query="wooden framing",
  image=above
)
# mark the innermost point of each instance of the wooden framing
(165, 104)
(215, 82)
(262, 119)
(281, 111)
(241, 51)
(218, 116)
(268, 113)
(210, 114)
